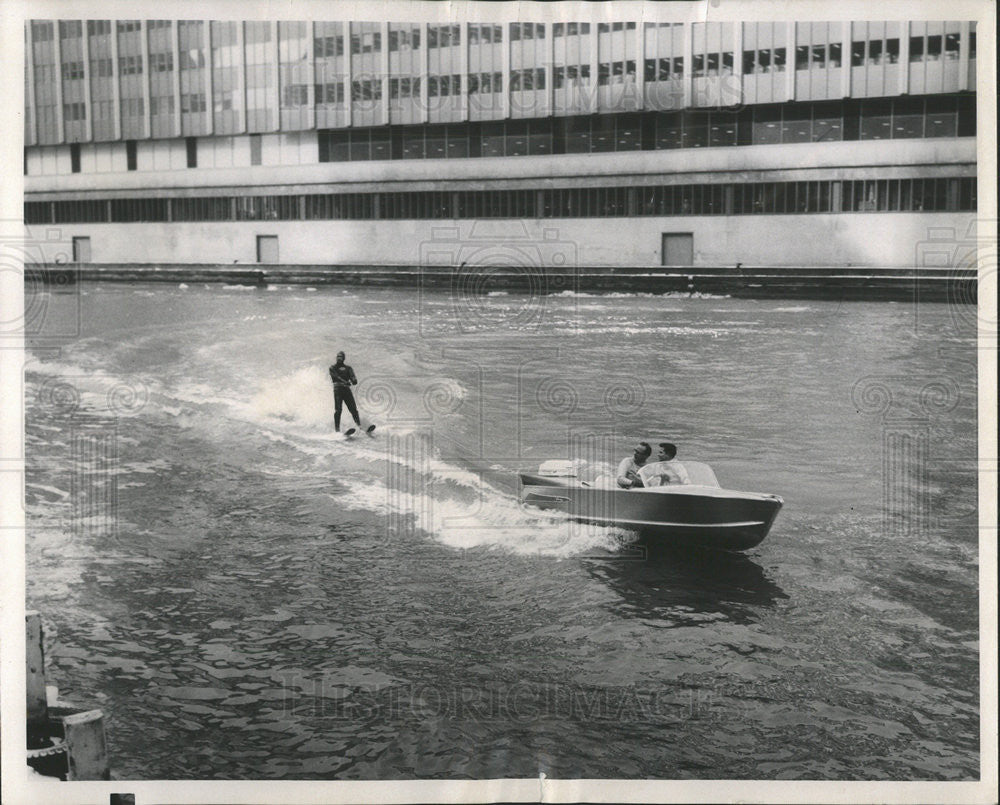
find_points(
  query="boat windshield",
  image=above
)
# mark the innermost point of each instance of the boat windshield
(676, 473)
(664, 473)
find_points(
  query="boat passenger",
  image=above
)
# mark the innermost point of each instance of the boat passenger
(669, 471)
(666, 451)
(628, 469)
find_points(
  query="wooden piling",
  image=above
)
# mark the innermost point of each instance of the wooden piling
(63, 741)
(86, 746)
(38, 712)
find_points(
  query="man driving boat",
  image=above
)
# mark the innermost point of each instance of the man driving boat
(628, 470)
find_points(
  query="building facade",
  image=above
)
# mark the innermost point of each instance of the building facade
(590, 143)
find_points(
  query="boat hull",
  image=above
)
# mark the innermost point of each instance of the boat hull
(691, 515)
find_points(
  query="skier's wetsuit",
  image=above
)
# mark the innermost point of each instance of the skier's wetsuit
(343, 378)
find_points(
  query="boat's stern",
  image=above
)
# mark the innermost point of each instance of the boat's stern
(545, 491)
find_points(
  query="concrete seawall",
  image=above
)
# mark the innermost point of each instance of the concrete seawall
(888, 284)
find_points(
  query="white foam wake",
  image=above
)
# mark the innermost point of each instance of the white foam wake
(491, 520)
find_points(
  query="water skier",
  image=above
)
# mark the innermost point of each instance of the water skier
(343, 378)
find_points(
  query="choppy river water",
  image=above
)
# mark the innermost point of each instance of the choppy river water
(247, 595)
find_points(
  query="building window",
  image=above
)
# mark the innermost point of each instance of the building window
(967, 115)
(161, 62)
(255, 149)
(102, 68)
(485, 83)
(328, 46)
(72, 70)
(366, 90)
(907, 118)
(201, 209)
(892, 51)
(267, 208)
(70, 29)
(767, 125)
(131, 210)
(404, 40)
(161, 105)
(828, 120)
(857, 54)
(131, 155)
(442, 36)
(192, 151)
(38, 212)
(192, 59)
(295, 95)
(329, 94)
(526, 30)
(129, 65)
(194, 102)
(796, 124)
(570, 75)
(413, 143)
(367, 42)
(41, 31)
(529, 79)
(408, 87)
(444, 85)
(74, 157)
(951, 47)
(334, 146)
(942, 116)
(74, 111)
(485, 34)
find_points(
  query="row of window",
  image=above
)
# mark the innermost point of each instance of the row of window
(899, 118)
(326, 94)
(655, 69)
(573, 28)
(758, 198)
(445, 35)
(437, 36)
(873, 52)
(768, 124)
(660, 69)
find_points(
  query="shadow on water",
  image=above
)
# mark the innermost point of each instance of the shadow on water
(687, 587)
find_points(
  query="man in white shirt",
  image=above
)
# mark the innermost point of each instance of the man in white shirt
(667, 470)
(628, 470)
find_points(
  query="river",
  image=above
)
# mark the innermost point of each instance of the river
(247, 595)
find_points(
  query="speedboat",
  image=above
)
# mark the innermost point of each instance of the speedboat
(679, 502)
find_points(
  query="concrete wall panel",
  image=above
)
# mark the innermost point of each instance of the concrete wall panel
(849, 240)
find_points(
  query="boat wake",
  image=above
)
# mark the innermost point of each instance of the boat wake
(398, 476)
